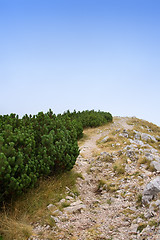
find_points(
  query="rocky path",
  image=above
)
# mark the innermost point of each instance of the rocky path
(114, 168)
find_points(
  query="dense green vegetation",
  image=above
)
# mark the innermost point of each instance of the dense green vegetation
(86, 119)
(40, 145)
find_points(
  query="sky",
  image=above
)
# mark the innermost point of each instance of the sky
(82, 55)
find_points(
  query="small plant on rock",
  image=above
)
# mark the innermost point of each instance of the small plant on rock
(101, 185)
(139, 200)
(119, 167)
(153, 222)
(141, 226)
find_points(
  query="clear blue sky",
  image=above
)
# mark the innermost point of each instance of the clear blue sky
(80, 54)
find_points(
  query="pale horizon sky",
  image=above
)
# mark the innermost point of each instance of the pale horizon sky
(80, 54)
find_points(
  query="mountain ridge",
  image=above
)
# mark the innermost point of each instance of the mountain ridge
(116, 164)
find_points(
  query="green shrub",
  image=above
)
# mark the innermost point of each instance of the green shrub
(32, 147)
(87, 118)
(40, 145)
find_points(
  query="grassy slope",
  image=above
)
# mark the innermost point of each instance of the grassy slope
(15, 220)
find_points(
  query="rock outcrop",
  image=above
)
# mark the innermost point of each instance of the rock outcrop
(151, 189)
(119, 188)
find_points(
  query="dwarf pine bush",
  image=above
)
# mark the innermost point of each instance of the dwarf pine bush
(40, 145)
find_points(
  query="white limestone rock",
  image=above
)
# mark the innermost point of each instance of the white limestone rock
(146, 137)
(104, 139)
(75, 207)
(155, 165)
(151, 189)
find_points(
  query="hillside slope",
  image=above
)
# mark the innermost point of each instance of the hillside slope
(116, 162)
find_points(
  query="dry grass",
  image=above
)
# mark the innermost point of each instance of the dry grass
(149, 128)
(146, 126)
(113, 143)
(95, 153)
(13, 228)
(142, 160)
(109, 185)
(119, 166)
(127, 211)
(83, 139)
(154, 223)
(32, 207)
(146, 162)
(141, 226)
(91, 131)
(155, 145)
(105, 158)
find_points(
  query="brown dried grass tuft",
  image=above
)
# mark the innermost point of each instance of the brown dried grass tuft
(32, 207)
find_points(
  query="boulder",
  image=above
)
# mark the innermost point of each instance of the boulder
(62, 201)
(152, 157)
(149, 156)
(118, 130)
(104, 139)
(56, 219)
(136, 142)
(133, 228)
(157, 203)
(69, 198)
(158, 138)
(151, 189)
(153, 150)
(124, 134)
(157, 158)
(75, 207)
(51, 207)
(156, 165)
(146, 137)
(137, 135)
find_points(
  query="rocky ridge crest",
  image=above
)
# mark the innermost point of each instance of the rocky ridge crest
(119, 188)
